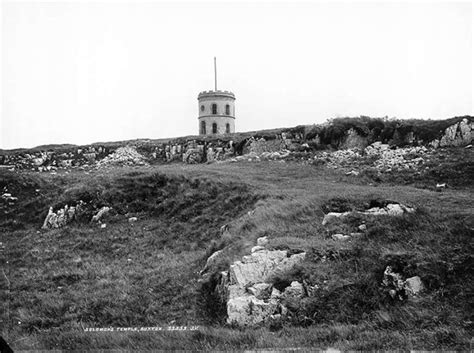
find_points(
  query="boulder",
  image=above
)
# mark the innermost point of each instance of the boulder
(256, 267)
(413, 285)
(331, 216)
(341, 237)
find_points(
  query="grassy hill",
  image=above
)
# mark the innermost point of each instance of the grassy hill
(146, 273)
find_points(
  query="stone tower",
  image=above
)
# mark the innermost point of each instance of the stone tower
(216, 111)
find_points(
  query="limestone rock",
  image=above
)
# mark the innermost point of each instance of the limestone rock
(276, 294)
(249, 311)
(102, 212)
(341, 237)
(413, 285)
(331, 216)
(295, 290)
(257, 248)
(261, 290)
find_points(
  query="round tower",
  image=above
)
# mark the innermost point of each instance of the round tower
(216, 112)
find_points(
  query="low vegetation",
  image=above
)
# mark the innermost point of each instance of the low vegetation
(146, 272)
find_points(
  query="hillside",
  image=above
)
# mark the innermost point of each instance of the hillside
(129, 236)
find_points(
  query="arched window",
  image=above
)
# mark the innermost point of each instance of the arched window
(214, 128)
(227, 109)
(214, 108)
(202, 108)
(227, 128)
(203, 127)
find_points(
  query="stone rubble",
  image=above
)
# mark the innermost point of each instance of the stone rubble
(399, 288)
(62, 216)
(392, 209)
(127, 155)
(250, 297)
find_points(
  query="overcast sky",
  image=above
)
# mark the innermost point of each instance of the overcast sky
(81, 72)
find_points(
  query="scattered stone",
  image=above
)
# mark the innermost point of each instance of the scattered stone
(398, 288)
(331, 216)
(103, 225)
(353, 172)
(362, 227)
(413, 285)
(356, 234)
(341, 237)
(132, 219)
(441, 186)
(102, 212)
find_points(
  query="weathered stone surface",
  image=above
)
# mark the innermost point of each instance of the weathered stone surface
(62, 216)
(295, 290)
(248, 310)
(331, 216)
(257, 248)
(340, 237)
(261, 290)
(257, 267)
(413, 285)
(102, 212)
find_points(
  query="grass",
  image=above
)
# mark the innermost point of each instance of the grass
(146, 273)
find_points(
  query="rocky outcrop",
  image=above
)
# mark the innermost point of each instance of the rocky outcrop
(459, 134)
(62, 216)
(354, 140)
(247, 287)
(391, 209)
(351, 137)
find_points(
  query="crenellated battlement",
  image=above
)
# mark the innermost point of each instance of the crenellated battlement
(218, 93)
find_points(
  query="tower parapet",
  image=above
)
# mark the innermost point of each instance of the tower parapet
(216, 111)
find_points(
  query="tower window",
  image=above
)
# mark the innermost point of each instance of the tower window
(227, 128)
(227, 109)
(214, 108)
(214, 128)
(203, 127)
(202, 108)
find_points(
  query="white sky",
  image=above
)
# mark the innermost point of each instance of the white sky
(81, 72)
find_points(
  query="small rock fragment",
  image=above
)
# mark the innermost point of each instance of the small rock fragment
(341, 237)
